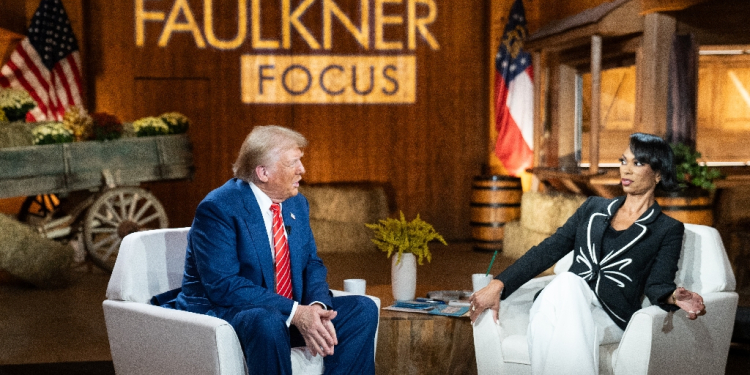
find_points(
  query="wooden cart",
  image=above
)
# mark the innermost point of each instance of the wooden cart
(104, 177)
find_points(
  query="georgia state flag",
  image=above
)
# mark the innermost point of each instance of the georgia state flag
(514, 93)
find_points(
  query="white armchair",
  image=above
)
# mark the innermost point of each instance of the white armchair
(147, 339)
(654, 342)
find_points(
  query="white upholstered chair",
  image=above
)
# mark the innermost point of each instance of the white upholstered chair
(654, 342)
(147, 339)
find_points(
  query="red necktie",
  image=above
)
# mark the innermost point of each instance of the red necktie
(281, 251)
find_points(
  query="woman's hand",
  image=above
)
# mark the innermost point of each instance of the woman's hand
(689, 301)
(486, 298)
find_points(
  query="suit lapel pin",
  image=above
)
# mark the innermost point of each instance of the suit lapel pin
(292, 215)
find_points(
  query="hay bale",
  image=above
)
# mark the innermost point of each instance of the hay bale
(340, 237)
(16, 134)
(545, 212)
(338, 213)
(346, 203)
(32, 258)
(518, 240)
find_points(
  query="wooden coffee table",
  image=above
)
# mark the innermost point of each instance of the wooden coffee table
(412, 343)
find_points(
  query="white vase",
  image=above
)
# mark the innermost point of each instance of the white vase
(404, 277)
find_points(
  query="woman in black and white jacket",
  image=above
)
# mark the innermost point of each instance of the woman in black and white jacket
(624, 248)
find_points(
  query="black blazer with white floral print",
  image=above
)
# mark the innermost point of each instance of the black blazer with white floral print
(641, 260)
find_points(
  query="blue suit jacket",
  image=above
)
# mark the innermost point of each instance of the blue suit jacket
(229, 264)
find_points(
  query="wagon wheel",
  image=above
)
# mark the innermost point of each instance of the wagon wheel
(37, 208)
(114, 215)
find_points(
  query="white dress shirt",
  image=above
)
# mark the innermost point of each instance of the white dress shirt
(264, 202)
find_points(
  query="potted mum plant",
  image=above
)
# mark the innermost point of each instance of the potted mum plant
(79, 122)
(150, 126)
(15, 103)
(49, 133)
(106, 127)
(177, 122)
(410, 240)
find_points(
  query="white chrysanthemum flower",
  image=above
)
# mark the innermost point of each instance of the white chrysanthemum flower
(52, 132)
(15, 98)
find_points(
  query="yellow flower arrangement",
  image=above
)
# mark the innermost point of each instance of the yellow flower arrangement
(78, 121)
(149, 126)
(2, 115)
(177, 122)
(405, 237)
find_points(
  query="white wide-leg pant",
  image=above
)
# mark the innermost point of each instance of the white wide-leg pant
(566, 326)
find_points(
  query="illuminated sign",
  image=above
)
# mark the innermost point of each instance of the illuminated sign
(318, 78)
(328, 79)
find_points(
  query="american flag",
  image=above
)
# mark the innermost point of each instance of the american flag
(47, 64)
(514, 96)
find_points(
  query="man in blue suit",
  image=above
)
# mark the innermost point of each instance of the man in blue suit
(237, 268)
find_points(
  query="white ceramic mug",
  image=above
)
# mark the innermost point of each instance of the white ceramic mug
(480, 280)
(355, 286)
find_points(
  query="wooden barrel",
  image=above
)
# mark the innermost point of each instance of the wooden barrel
(495, 200)
(691, 210)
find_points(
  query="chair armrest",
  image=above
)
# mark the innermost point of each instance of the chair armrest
(339, 293)
(656, 342)
(487, 344)
(513, 318)
(172, 341)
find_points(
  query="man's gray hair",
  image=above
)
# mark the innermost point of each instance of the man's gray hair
(263, 146)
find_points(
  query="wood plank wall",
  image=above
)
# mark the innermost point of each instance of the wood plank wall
(427, 152)
(13, 16)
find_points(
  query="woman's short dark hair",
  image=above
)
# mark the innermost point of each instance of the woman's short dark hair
(654, 151)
